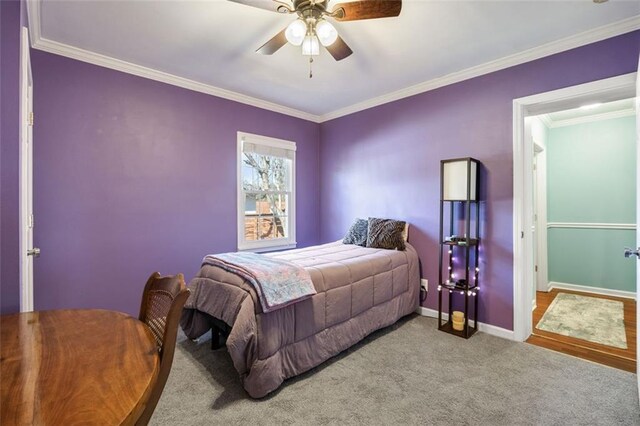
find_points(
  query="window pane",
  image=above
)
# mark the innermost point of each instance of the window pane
(263, 206)
(282, 226)
(250, 203)
(265, 173)
(249, 178)
(266, 228)
(251, 227)
(268, 220)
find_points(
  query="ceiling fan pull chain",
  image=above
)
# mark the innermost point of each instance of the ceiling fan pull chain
(310, 70)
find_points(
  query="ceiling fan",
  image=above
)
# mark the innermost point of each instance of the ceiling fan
(312, 28)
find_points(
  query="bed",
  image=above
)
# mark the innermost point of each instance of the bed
(359, 290)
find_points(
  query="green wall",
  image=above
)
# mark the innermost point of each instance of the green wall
(591, 178)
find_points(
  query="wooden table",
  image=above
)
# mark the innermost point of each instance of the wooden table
(73, 367)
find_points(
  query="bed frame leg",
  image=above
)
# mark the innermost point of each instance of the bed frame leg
(218, 340)
(219, 333)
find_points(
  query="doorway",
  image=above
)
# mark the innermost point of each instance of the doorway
(602, 91)
(585, 299)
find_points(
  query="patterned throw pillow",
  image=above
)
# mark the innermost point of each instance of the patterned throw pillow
(357, 233)
(385, 233)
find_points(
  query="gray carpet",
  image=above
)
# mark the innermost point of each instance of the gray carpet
(409, 373)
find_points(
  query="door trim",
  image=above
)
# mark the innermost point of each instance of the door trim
(606, 90)
(637, 218)
(26, 172)
(540, 157)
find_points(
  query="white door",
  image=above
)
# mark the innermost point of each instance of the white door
(27, 251)
(534, 228)
(638, 216)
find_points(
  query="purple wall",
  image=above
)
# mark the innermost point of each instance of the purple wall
(11, 15)
(133, 176)
(385, 161)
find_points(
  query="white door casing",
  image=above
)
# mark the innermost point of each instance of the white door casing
(637, 102)
(607, 90)
(530, 139)
(26, 219)
(542, 274)
(534, 229)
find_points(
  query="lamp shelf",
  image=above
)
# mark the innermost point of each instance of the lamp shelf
(448, 327)
(458, 286)
(463, 243)
(459, 227)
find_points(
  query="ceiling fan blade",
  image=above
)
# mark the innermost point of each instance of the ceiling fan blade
(272, 46)
(366, 9)
(339, 49)
(272, 5)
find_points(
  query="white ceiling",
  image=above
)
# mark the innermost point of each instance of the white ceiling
(590, 112)
(609, 108)
(213, 42)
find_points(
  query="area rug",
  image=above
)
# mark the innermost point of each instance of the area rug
(587, 318)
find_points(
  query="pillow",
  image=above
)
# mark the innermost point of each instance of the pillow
(357, 233)
(385, 233)
(405, 233)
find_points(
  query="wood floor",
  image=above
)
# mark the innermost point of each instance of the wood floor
(624, 359)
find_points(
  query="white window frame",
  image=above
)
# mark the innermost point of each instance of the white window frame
(276, 243)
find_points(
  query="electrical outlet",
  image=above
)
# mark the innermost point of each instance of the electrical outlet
(424, 284)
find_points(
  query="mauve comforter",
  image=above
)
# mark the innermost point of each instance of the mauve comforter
(359, 290)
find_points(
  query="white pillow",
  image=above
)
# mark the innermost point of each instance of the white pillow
(405, 233)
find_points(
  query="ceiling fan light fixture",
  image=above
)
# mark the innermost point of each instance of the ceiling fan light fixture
(310, 46)
(311, 27)
(326, 32)
(295, 32)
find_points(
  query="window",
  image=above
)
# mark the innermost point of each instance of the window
(266, 193)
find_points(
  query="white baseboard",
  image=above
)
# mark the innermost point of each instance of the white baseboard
(595, 290)
(534, 306)
(485, 328)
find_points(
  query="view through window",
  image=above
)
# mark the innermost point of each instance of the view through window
(266, 205)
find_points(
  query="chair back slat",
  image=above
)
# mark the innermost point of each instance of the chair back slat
(158, 305)
(162, 302)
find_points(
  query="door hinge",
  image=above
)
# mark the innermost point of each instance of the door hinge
(521, 234)
(31, 221)
(31, 119)
(536, 268)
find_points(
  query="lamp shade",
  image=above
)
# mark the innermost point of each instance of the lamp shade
(458, 176)
(326, 32)
(310, 46)
(295, 32)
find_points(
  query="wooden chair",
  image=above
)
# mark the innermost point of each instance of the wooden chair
(162, 302)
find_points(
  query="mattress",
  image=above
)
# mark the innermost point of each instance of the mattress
(359, 290)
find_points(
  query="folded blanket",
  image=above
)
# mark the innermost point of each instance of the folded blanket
(277, 282)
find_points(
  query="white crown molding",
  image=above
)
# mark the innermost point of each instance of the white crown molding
(33, 16)
(40, 43)
(590, 118)
(129, 68)
(576, 225)
(571, 42)
(567, 43)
